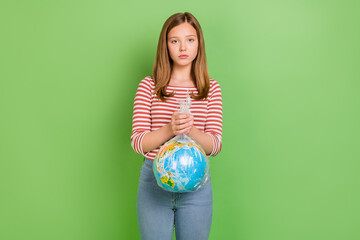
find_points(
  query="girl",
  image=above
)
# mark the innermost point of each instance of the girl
(180, 66)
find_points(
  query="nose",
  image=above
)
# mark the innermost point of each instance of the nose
(182, 46)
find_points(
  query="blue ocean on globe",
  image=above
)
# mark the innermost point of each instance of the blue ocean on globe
(180, 166)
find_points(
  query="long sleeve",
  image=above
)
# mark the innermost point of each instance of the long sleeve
(141, 123)
(214, 119)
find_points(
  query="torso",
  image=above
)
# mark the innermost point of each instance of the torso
(159, 113)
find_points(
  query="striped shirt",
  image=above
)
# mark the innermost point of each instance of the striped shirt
(150, 113)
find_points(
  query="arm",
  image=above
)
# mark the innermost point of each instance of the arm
(211, 139)
(154, 139)
(141, 116)
(204, 139)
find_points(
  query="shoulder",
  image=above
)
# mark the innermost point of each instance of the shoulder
(214, 86)
(147, 82)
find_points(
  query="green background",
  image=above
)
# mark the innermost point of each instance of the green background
(289, 73)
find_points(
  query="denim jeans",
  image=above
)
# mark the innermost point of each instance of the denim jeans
(158, 210)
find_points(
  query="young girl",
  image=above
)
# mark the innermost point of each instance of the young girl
(180, 66)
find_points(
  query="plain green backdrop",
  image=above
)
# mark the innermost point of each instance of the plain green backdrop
(289, 72)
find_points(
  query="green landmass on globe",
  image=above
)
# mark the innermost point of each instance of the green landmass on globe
(167, 180)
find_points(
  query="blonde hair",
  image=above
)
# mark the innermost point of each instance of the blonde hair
(163, 63)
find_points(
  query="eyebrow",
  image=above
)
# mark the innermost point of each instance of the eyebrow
(186, 36)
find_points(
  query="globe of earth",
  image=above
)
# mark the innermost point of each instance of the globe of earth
(181, 166)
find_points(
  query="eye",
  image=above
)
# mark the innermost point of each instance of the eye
(173, 41)
(191, 40)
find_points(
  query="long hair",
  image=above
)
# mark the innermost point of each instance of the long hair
(163, 63)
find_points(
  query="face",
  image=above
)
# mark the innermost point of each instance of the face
(182, 44)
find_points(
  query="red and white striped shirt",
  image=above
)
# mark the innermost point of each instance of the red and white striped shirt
(150, 113)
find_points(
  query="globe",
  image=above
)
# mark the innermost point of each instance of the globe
(181, 165)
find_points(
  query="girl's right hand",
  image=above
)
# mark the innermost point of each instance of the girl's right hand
(181, 123)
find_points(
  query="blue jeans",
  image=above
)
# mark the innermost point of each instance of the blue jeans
(158, 211)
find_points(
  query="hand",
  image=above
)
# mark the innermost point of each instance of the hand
(181, 123)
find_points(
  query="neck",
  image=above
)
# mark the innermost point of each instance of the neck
(181, 74)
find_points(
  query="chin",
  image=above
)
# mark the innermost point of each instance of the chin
(184, 63)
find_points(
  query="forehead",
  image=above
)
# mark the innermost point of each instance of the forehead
(184, 29)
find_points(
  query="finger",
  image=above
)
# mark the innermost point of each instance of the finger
(185, 125)
(189, 117)
(181, 127)
(182, 121)
(181, 116)
(178, 127)
(185, 130)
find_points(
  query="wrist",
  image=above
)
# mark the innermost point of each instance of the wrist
(192, 130)
(170, 130)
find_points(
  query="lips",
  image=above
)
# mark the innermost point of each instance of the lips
(183, 56)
